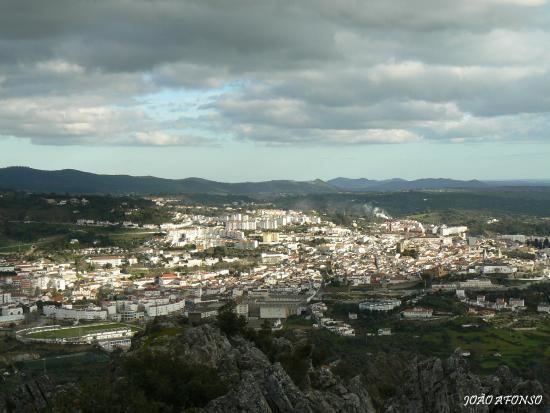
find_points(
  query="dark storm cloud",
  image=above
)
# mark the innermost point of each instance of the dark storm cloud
(139, 35)
(283, 72)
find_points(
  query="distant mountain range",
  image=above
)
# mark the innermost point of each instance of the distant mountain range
(73, 181)
(397, 184)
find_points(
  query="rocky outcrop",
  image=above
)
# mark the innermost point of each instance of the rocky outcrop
(17, 356)
(32, 396)
(436, 385)
(256, 384)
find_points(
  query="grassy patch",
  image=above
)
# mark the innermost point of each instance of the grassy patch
(300, 323)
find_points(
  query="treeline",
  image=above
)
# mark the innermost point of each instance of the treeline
(531, 201)
(539, 243)
(19, 206)
(145, 382)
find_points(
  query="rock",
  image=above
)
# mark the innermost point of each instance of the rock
(204, 345)
(14, 357)
(31, 396)
(322, 378)
(440, 386)
(247, 397)
(257, 385)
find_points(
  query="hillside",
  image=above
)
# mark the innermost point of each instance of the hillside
(79, 182)
(397, 184)
(174, 367)
(73, 181)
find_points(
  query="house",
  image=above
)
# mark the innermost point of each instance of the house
(166, 279)
(379, 305)
(102, 260)
(5, 297)
(516, 302)
(417, 312)
(201, 314)
(500, 303)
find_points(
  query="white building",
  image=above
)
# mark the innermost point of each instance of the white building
(102, 260)
(5, 298)
(164, 309)
(446, 231)
(379, 305)
(273, 258)
(8, 319)
(64, 313)
(417, 312)
(273, 311)
(497, 269)
(516, 303)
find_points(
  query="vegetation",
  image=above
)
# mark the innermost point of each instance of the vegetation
(150, 382)
(527, 201)
(57, 236)
(539, 243)
(229, 322)
(296, 362)
(410, 253)
(219, 252)
(55, 208)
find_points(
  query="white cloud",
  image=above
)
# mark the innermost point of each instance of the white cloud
(59, 67)
(312, 72)
(160, 138)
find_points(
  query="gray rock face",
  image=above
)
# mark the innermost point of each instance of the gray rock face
(14, 357)
(434, 385)
(257, 385)
(31, 396)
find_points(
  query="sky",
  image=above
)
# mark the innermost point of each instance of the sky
(251, 90)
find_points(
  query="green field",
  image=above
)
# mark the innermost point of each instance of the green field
(527, 353)
(489, 346)
(78, 331)
(492, 347)
(299, 323)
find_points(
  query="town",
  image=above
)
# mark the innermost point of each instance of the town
(277, 266)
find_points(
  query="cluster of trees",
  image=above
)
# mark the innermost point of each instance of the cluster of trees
(30, 232)
(410, 253)
(223, 251)
(521, 200)
(539, 243)
(145, 382)
(23, 206)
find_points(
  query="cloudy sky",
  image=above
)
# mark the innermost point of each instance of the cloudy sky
(252, 89)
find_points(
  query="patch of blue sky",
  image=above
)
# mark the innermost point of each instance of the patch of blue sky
(171, 104)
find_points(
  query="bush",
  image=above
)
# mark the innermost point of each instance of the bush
(229, 322)
(297, 363)
(150, 382)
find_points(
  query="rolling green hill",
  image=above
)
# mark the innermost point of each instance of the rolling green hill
(78, 182)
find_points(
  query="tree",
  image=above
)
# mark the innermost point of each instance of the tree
(410, 253)
(150, 382)
(228, 320)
